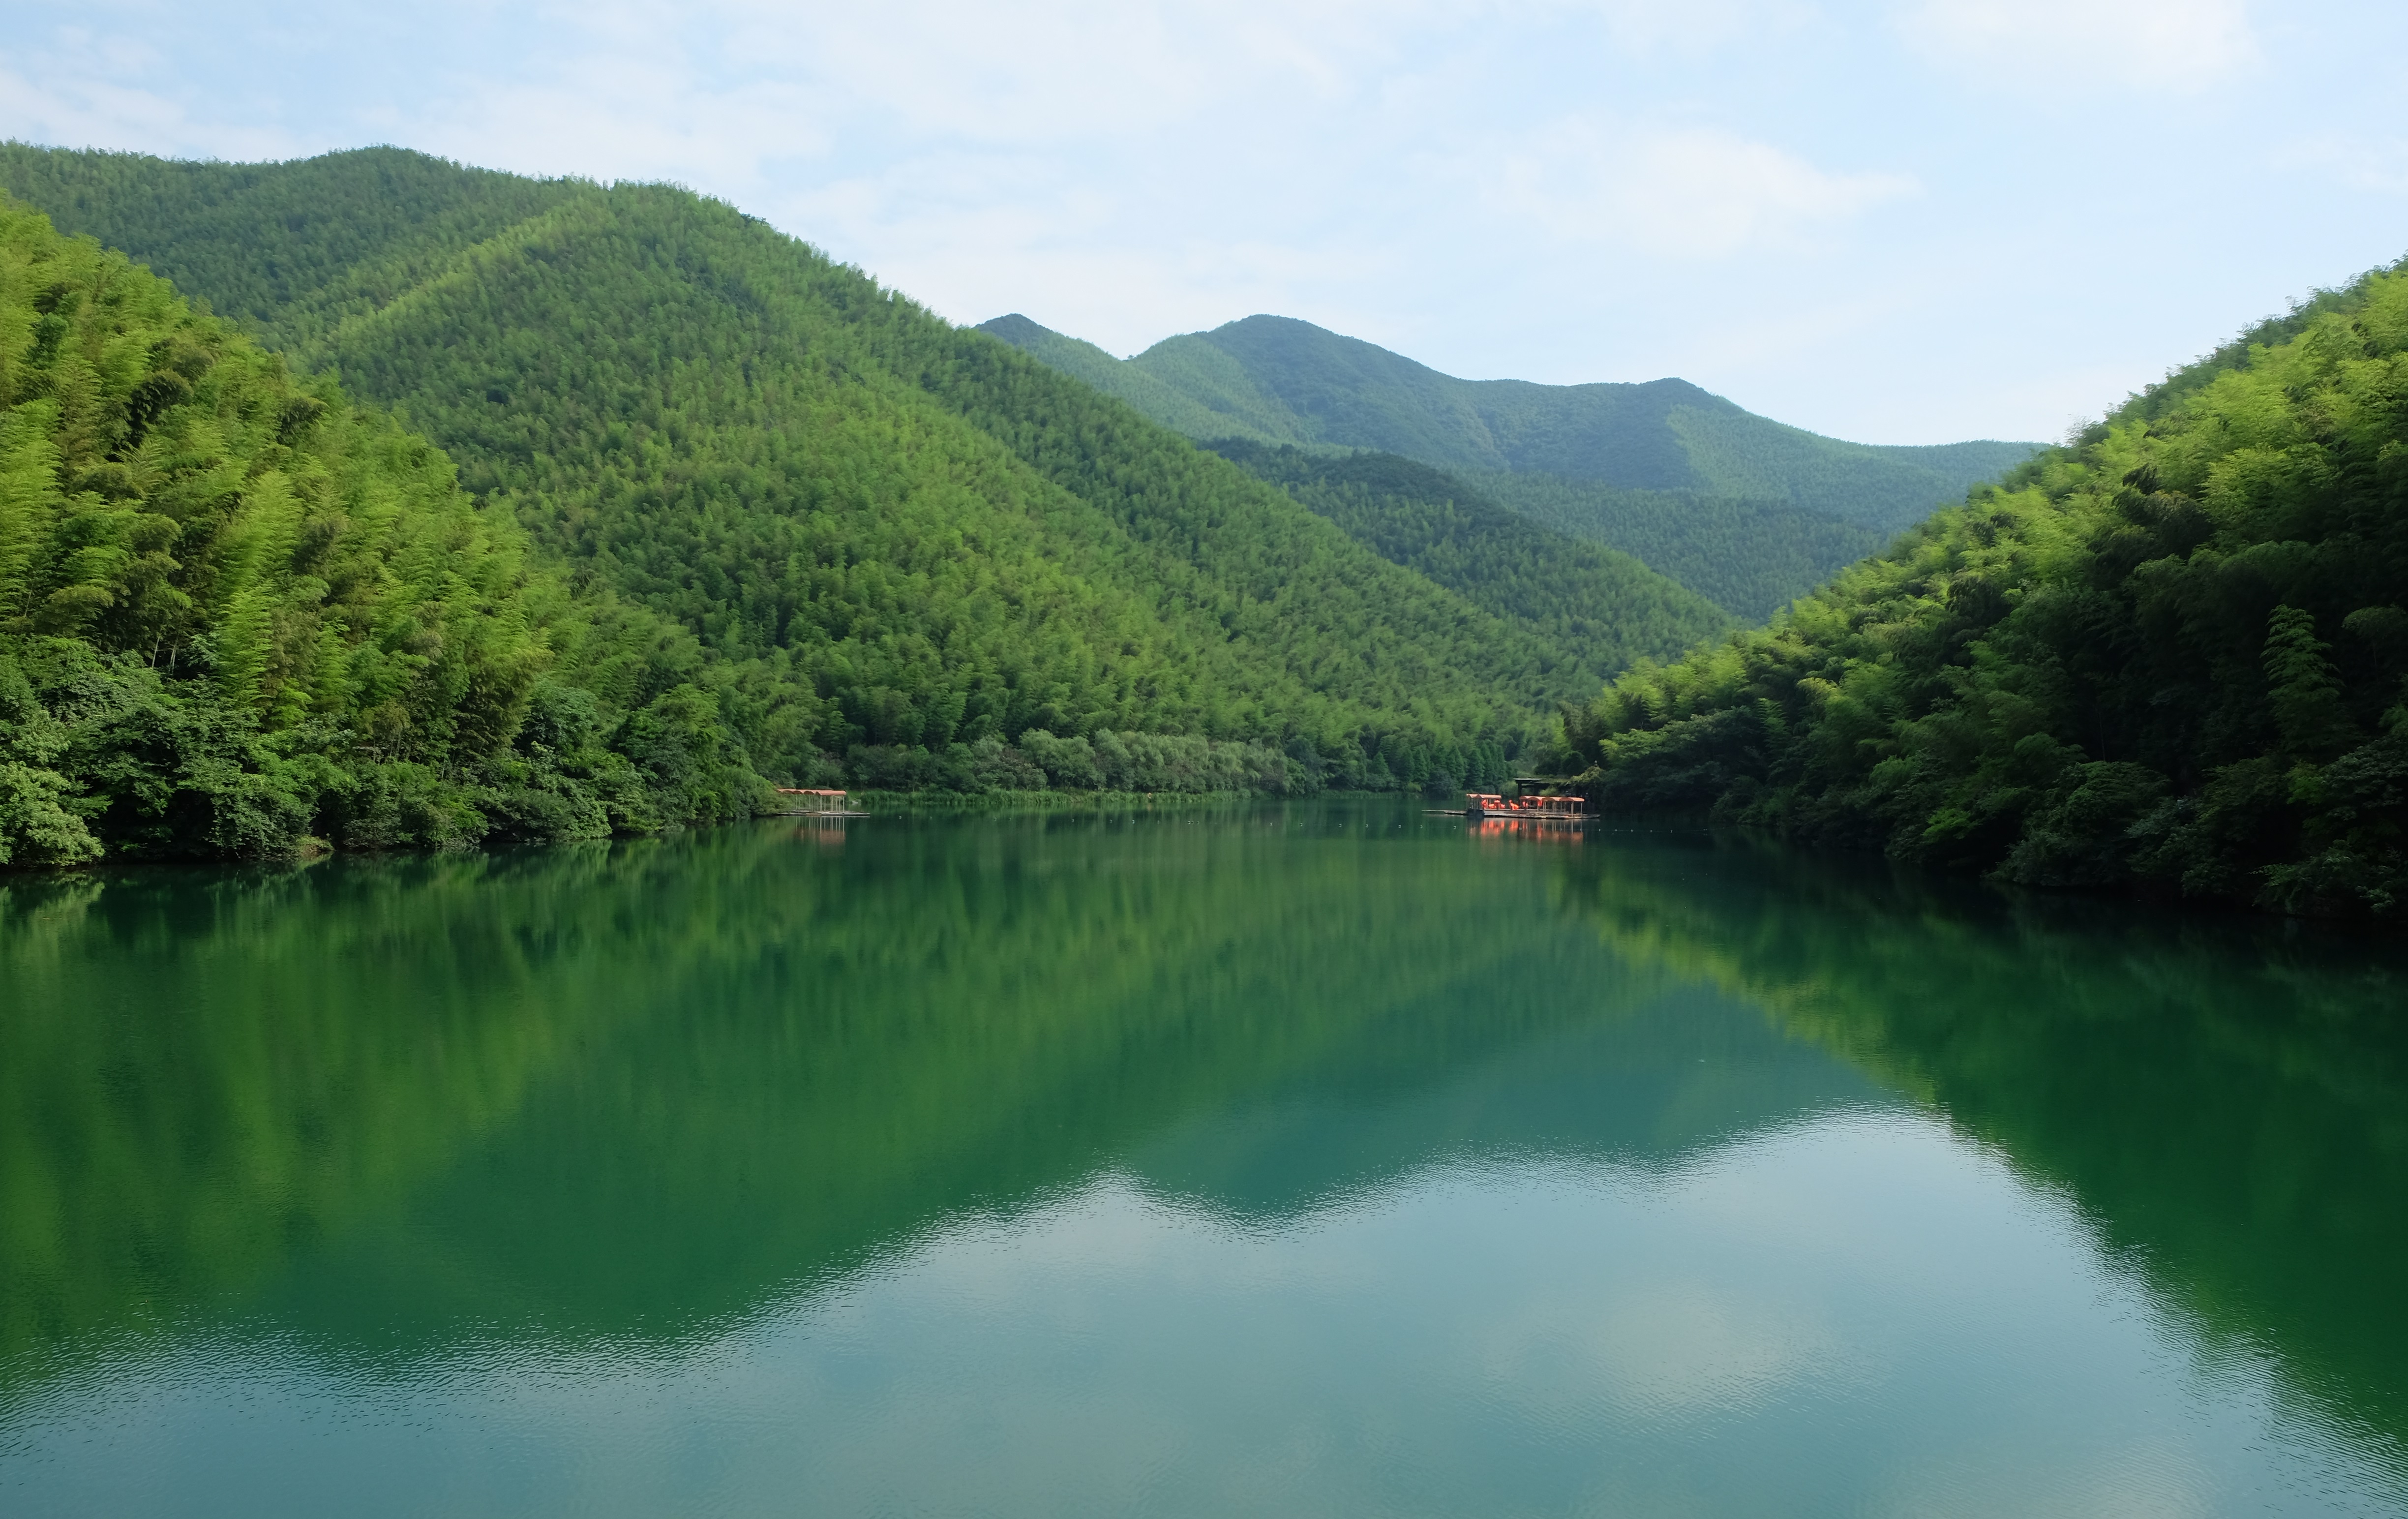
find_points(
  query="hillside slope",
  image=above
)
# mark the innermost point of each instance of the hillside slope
(904, 536)
(1584, 599)
(1751, 558)
(2171, 657)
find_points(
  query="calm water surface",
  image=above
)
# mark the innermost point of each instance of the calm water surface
(1327, 1160)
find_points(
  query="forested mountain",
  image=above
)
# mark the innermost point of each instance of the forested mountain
(894, 542)
(1747, 558)
(1728, 503)
(2172, 656)
(1586, 600)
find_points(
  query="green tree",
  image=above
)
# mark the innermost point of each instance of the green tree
(2303, 688)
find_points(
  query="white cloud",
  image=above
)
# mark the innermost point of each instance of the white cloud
(1649, 26)
(2376, 163)
(2163, 45)
(88, 108)
(980, 235)
(1064, 69)
(626, 115)
(1687, 191)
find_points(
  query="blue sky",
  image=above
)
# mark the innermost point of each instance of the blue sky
(1903, 223)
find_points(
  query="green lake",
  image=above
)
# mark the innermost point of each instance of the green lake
(1329, 1160)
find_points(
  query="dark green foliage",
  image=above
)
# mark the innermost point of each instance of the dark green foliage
(1599, 608)
(888, 534)
(1752, 558)
(234, 613)
(1278, 380)
(2167, 658)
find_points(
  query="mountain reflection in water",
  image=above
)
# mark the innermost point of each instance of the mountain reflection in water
(1323, 1159)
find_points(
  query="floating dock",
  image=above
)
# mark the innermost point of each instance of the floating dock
(1487, 805)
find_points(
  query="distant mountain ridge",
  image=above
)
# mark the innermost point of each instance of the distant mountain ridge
(1278, 379)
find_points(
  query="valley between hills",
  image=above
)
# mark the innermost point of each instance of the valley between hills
(375, 502)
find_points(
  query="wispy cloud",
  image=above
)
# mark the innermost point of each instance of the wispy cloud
(2362, 162)
(2176, 46)
(1651, 27)
(80, 91)
(1685, 192)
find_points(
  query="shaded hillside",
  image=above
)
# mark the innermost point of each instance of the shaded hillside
(900, 537)
(1278, 379)
(1752, 558)
(1584, 599)
(2168, 657)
